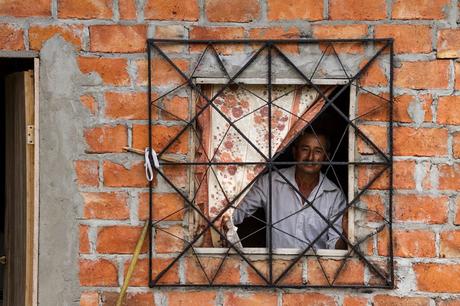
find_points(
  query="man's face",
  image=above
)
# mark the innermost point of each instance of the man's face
(310, 148)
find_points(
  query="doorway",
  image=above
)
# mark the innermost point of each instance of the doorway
(17, 213)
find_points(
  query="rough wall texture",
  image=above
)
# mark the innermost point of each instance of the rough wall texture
(92, 190)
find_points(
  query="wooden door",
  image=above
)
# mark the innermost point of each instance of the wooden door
(19, 188)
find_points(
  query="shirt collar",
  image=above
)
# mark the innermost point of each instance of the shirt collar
(324, 183)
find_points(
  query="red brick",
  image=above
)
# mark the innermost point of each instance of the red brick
(450, 244)
(192, 298)
(354, 301)
(295, 10)
(106, 205)
(127, 9)
(420, 142)
(449, 176)
(434, 277)
(164, 205)
(140, 299)
(351, 273)
(118, 38)
(403, 103)
(84, 239)
(161, 137)
(277, 33)
(218, 33)
(407, 38)
(175, 108)
(449, 302)
(163, 73)
(292, 277)
(131, 299)
(172, 10)
(116, 175)
(417, 208)
(422, 75)
(172, 32)
(374, 203)
(457, 213)
(99, 272)
(239, 11)
(87, 172)
(372, 107)
(119, 239)
(250, 298)
(19, 8)
(374, 74)
(113, 71)
(375, 278)
(375, 108)
(89, 102)
(388, 300)
(85, 9)
(342, 32)
(377, 134)
(169, 240)
(132, 105)
(419, 9)
(407, 243)
(456, 144)
(228, 272)
(449, 110)
(89, 298)
(106, 139)
(357, 9)
(448, 43)
(457, 75)
(307, 299)
(177, 175)
(140, 274)
(38, 35)
(11, 37)
(403, 176)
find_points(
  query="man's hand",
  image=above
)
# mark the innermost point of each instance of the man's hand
(221, 223)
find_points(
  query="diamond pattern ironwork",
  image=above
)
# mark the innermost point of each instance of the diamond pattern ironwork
(376, 169)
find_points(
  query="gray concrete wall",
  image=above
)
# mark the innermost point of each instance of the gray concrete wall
(61, 121)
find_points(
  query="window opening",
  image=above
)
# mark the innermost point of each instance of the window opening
(187, 149)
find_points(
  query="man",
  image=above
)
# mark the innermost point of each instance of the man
(295, 224)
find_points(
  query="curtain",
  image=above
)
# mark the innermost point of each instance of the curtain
(246, 107)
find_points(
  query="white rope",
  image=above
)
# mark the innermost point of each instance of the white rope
(148, 165)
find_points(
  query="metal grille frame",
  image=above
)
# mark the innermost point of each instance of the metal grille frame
(272, 47)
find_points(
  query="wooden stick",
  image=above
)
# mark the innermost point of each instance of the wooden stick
(133, 263)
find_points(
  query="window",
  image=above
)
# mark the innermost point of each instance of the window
(247, 102)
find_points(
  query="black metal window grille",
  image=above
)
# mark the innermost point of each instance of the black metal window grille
(352, 60)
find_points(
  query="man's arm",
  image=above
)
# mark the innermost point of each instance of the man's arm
(334, 241)
(253, 200)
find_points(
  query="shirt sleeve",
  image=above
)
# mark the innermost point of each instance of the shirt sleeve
(337, 208)
(253, 200)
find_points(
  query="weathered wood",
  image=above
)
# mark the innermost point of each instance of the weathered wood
(19, 187)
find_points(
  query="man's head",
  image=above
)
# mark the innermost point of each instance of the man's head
(311, 147)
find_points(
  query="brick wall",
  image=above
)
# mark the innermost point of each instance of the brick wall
(109, 37)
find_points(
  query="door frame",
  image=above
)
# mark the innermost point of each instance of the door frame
(32, 291)
(32, 183)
